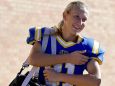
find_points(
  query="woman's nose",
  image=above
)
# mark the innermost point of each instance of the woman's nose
(79, 23)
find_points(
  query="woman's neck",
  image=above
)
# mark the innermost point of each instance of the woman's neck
(67, 35)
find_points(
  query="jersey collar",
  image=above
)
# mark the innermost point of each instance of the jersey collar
(69, 43)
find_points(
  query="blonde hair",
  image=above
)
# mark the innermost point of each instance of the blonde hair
(75, 4)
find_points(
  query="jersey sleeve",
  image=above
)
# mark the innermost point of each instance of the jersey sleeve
(34, 35)
(98, 52)
(95, 50)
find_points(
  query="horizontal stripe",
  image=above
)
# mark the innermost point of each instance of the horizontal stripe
(98, 60)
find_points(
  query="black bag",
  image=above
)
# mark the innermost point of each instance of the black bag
(18, 80)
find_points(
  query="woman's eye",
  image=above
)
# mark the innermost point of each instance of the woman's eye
(83, 20)
(76, 17)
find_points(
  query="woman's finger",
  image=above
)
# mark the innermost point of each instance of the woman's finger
(85, 57)
(81, 52)
(45, 75)
(84, 60)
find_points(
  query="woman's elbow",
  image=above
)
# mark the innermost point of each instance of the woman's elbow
(98, 82)
(32, 61)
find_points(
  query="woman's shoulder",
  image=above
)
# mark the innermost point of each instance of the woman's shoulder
(88, 40)
(43, 30)
(37, 33)
(91, 44)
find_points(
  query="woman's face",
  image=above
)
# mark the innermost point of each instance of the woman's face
(75, 20)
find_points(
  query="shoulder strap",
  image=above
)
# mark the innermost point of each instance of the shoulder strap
(53, 43)
(45, 40)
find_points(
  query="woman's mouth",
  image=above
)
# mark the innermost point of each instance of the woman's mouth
(76, 29)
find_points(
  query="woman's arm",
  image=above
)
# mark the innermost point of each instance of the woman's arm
(91, 79)
(38, 58)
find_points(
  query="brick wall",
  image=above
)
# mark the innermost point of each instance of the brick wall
(17, 15)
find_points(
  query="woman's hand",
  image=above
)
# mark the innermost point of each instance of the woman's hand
(77, 58)
(51, 75)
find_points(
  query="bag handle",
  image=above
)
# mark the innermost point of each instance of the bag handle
(26, 63)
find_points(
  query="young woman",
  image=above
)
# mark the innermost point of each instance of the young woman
(68, 53)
